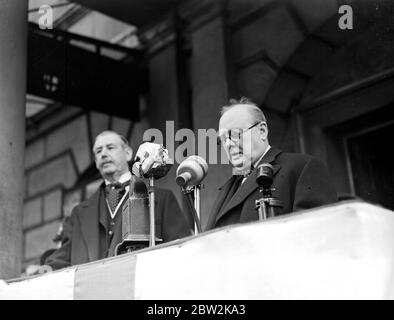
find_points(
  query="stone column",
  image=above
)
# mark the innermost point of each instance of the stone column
(13, 51)
(210, 86)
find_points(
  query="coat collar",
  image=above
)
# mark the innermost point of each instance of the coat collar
(91, 216)
(249, 185)
(224, 190)
(89, 227)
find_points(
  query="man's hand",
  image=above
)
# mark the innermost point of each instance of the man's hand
(36, 269)
(150, 155)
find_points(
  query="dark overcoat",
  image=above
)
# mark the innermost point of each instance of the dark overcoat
(300, 181)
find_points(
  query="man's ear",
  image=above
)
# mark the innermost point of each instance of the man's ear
(129, 153)
(263, 129)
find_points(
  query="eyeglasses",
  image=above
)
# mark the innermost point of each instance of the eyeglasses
(235, 134)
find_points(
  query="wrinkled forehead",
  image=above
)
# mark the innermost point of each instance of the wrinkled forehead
(106, 139)
(238, 117)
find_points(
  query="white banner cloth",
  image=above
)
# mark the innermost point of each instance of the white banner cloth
(57, 285)
(344, 251)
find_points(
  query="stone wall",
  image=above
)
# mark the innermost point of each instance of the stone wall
(58, 171)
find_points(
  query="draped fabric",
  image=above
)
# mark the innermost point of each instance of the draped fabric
(342, 251)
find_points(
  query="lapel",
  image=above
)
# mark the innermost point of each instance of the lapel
(223, 191)
(250, 184)
(90, 213)
(94, 212)
(102, 208)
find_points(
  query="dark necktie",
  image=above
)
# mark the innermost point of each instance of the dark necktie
(238, 182)
(114, 193)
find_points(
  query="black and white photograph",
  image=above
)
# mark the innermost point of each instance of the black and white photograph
(210, 152)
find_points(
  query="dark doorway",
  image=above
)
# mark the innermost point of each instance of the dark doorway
(371, 162)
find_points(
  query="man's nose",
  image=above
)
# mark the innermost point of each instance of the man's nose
(104, 153)
(230, 144)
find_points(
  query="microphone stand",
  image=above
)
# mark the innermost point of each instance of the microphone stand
(268, 206)
(197, 205)
(151, 191)
(194, 205)
(154, 173)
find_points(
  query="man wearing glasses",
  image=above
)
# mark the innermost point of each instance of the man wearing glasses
(300, 181)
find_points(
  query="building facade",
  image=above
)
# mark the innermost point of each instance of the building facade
(325, 91)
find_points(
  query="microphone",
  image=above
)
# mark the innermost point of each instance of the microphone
(265, 173)
(135, 212)
(191, 171)
(151, 160)
(134, 166)
(135, 219)
(268, 206)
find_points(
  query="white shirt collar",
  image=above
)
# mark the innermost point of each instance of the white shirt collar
(123, 178)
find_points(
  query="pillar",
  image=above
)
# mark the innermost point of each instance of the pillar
(13, 51)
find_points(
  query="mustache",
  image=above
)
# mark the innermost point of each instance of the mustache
(105, 162)
(237, 152)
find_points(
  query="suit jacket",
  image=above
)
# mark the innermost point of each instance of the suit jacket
(83, 230)
(300, 181)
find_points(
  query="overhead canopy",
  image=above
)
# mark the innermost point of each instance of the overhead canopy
(74, 70)
(136, 12)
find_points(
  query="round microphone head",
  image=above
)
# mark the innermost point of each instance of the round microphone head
(191, 171)
(265, 173)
